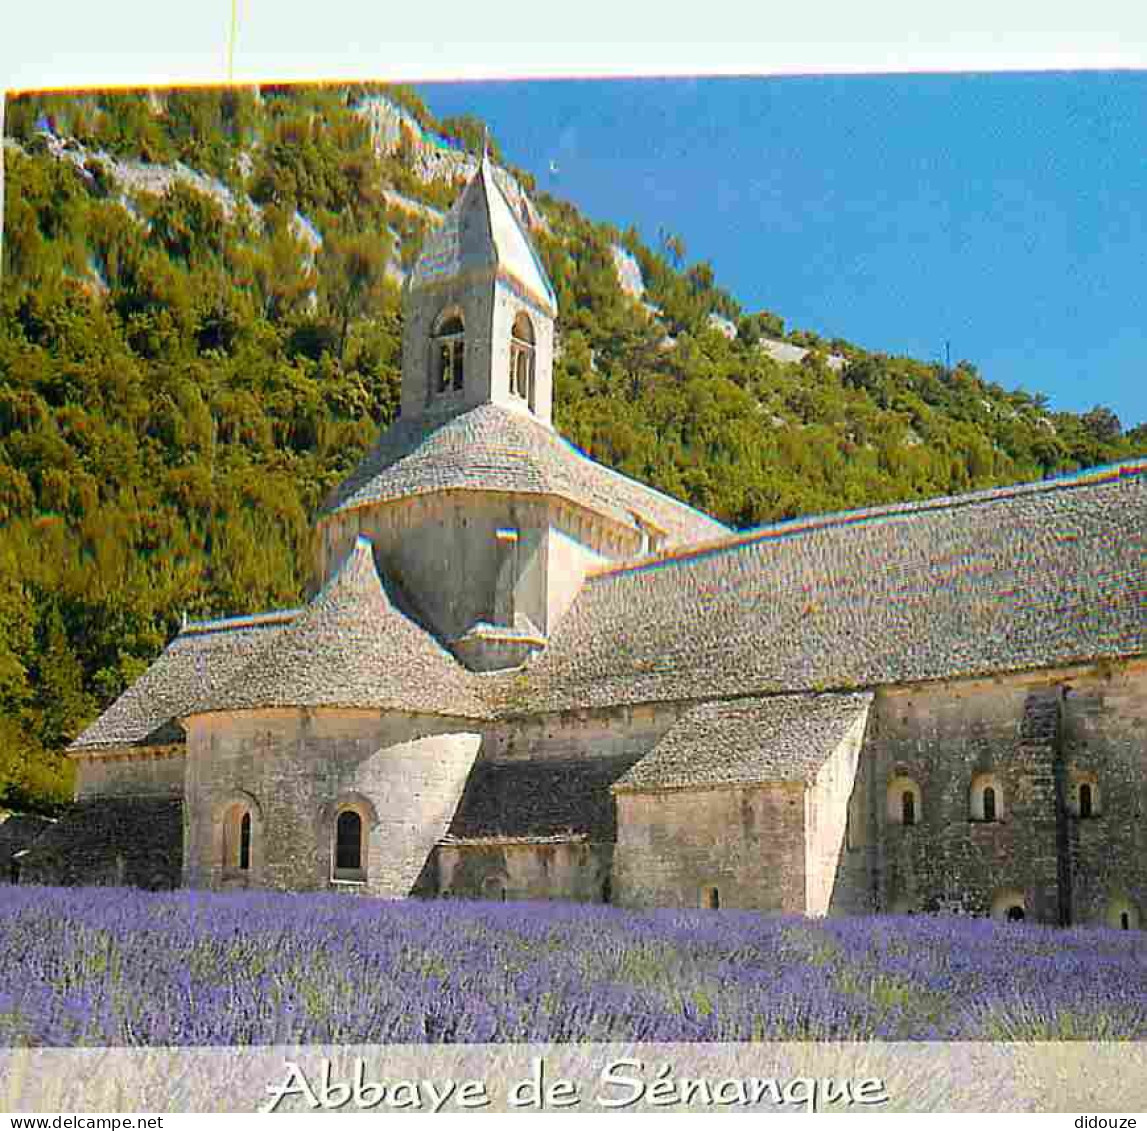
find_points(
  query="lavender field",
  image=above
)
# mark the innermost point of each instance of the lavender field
(122, 967)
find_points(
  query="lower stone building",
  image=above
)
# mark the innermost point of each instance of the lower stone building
(525, 676)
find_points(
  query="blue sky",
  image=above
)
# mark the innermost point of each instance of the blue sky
(1006, 213)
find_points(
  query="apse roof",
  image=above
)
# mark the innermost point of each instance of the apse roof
(351, 647)
(198, 663)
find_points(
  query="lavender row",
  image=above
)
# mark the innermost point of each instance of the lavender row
(121, 967)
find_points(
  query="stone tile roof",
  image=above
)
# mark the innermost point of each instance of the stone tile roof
(540, 798)
(198, 663)
(1005, 580)
(492, 448)
(1024, 577)
(351, 647)
(779, 738)
(481, 231)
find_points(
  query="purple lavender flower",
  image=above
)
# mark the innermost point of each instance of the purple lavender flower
(122, 967)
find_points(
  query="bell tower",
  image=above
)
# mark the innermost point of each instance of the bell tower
(484, 517)
(478, 314)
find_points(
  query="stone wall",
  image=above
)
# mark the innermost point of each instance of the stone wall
(854, 889)
(292, 770)
(550, 776)
(1104, 741)
(1033, 737)
(132, 771)
(113, 841)
(578, 871)
(567, 561)
(621, 732)
(444, 552)
(941, 737)
(674, 847)
(18, 832)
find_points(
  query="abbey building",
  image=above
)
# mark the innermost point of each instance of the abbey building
(525, 676)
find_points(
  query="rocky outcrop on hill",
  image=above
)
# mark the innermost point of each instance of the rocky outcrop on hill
(788, 354)
(723, 325)
(434, 158)
(140, 177)
(628, 270)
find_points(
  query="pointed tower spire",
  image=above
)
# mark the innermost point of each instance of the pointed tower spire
(479, 312)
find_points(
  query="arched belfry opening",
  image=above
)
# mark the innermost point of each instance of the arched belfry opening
(522, 359)
(448, 355)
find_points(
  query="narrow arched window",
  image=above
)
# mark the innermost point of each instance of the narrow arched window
(1009, 906)
(908, 807)
(904, 801)
(348, 842)
(711, 899)
(989, 804)
(238, 838)
(1085, 809)
(1122, 915)
(447, 355)
(522, 346)
(245, 843)
(987, 799)
(1084, 797)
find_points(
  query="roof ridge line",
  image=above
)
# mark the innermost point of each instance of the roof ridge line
(612, 471)
(808, 524)
(239, 620)
(550, 295)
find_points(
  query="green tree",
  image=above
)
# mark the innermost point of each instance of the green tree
(474, 135)
(352, 268)
(64, 706)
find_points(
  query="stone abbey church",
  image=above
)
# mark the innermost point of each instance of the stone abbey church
(525, 676)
